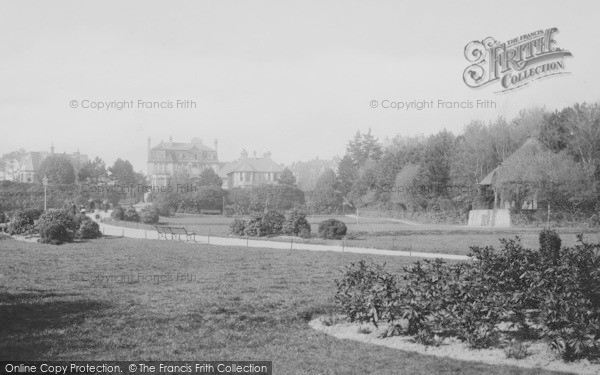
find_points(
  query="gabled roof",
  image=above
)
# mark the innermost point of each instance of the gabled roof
(175, 146)
(530, 148)
(32, 161)
(252, 165)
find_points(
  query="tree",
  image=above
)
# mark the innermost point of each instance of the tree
(287, 177)
(122, 172)
(10, 163)
(92, 170)
(209, 177)
(347, 173)
(58, 169)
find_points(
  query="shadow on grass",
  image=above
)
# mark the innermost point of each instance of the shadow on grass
(37, 324)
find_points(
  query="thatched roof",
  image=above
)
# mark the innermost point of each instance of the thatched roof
(528, 151)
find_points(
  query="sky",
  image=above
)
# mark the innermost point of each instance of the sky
(297, 78)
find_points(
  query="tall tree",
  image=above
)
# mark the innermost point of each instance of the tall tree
(122, 172)
(209, 177)
(92, 170)
(58, 169)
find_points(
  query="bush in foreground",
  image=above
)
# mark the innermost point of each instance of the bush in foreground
(522, 287)
(57, 226)
(332, 229)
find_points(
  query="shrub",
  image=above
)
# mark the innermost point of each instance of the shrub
(23, 221)
(97, 216)
(332, 229)
(237, 227)
(162, 206)
(89, 229)
(557, 301)
(550, 246)
(150, 215)
(80, 218)
(365, 292)
(295, 223)
(61, 217)
(118, 213)
(264, 224)
(4, 218)
(55, 234)
(131, 214)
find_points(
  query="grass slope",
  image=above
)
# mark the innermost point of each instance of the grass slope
(112, 299)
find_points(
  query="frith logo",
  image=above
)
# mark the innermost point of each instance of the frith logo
(515, 63)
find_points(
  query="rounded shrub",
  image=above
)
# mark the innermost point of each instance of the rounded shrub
(332, 229)
(131, 214)
(295, 224)
(118, 213)
(264, 224)
(89, 229)
(55, 234)
(4, 218)
(60, 217)
(149, 215)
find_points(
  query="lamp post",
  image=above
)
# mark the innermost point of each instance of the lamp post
(45, 183)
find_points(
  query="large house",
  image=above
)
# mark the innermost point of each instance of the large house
(31, 162)
(251, 171)
(167, 159)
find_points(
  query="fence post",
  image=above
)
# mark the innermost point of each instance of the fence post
(145, 234)
(209, 235)
(246, 241)
(123, 232)
(292, 244)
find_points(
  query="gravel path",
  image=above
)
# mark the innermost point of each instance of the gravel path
(227, 241)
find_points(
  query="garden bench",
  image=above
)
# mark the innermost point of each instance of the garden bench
(175, 233)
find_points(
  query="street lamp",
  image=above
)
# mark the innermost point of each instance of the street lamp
(45, 183)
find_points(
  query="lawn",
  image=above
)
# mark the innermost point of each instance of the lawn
(386, 234)
(125, 299)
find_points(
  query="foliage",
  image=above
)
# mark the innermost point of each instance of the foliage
(92, 171)
(56, 226)
(287, 177)
(118, 213)
(237, 227)
(295, 223)
(149, 215)
(55, 234)
(23, 221)
(130, 214)
(264, 224)
(58, 169)
(123, 173)
(332, 229)
(552, 293)
(88, 229)
(209, 177)
(243, 201)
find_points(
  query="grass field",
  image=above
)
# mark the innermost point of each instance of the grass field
(125, 299)
(386, 234)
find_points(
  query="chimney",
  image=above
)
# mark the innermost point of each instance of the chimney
(268, 154)
(244, 154)
(255, 153)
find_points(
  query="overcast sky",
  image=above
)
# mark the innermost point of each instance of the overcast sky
(293, 78)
